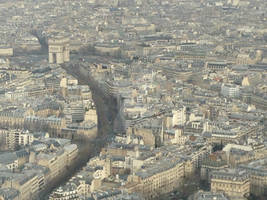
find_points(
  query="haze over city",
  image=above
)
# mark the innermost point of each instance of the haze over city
(133, 100)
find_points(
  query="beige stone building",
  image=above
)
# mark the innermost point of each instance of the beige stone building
(233, 182)
(159, 178)
(213, 163)
(179, 137)
(57, 162)
(258, 176)
(12, 118)
(18, 119)
(6, 51)
(26, 184)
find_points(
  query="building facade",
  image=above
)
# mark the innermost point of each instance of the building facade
(234, 183)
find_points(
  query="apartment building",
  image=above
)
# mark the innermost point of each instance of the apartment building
(257, 171)
(228, 90)
(26, 184)
(15, 138)
(57, 161)
(159, 178)
(212, 164)
(233, 182)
